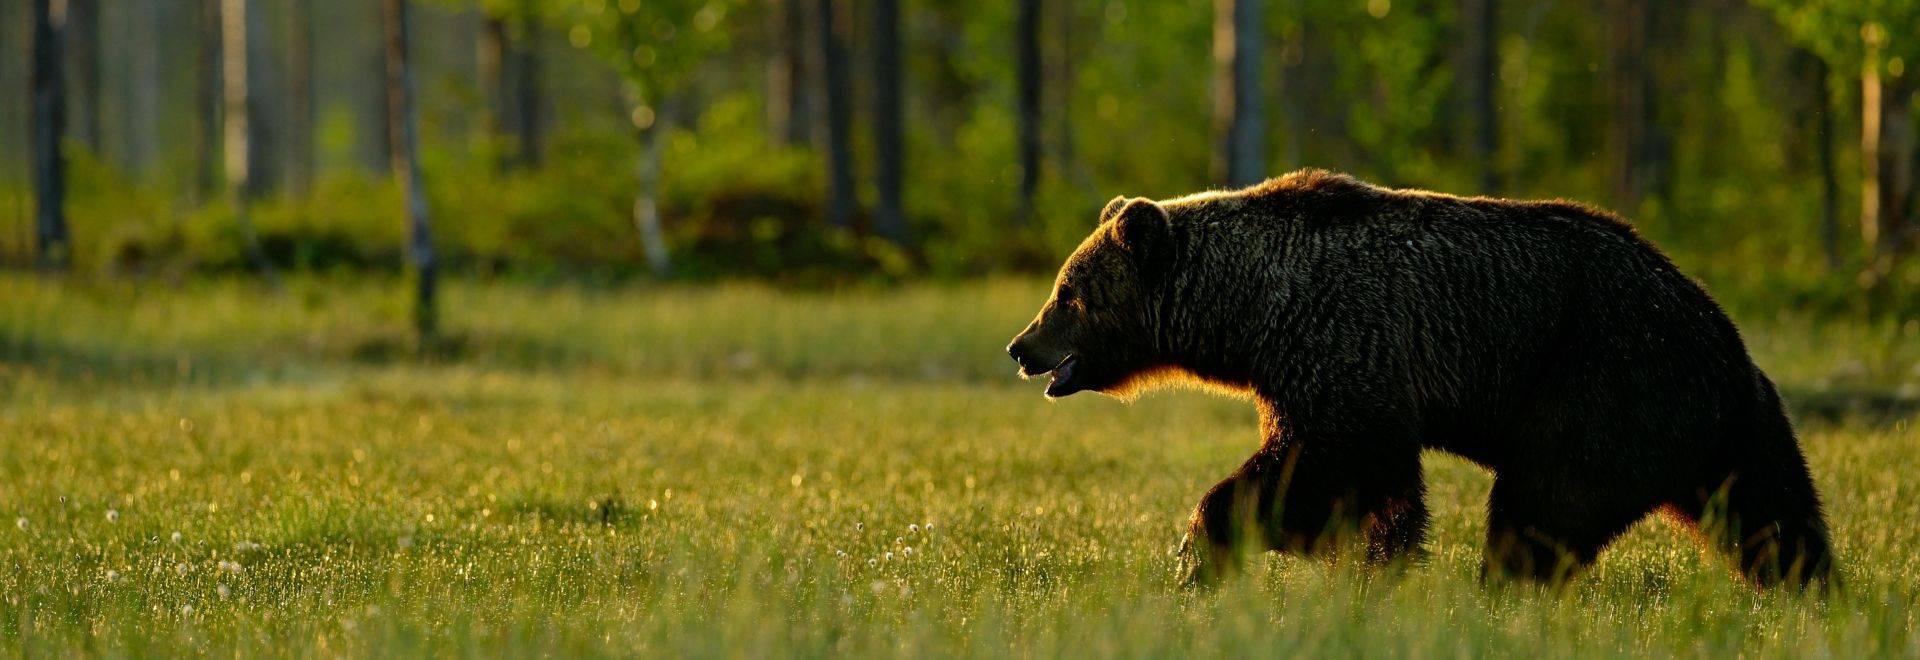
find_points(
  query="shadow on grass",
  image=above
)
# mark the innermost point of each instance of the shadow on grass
(292, 357)
(83, 363)
(1857, 405)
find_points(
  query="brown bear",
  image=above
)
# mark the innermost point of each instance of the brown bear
(1543, 340)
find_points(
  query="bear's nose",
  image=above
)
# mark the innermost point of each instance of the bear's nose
(1018, 353)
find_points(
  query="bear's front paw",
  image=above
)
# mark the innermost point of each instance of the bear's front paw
(1196, 567)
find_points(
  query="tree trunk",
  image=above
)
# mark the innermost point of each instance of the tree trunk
(141, 114)
(404, 127)
(491, 75)
(1026, 36)
(526, 68)
(237, 97)
(266, 114)
(379, 137)
(889, 136)
(1295, 90)
(208, 97)
(1068, 28)
(1896, 152)
(1239, 118)
(1636, 150)
(1479, 70)
(649, 124)
(1870, 120)
(49, 128)
(789, 103)
(840, 201)
(300, 97)
(83, 45)
(1820, 124)
(1623, 42)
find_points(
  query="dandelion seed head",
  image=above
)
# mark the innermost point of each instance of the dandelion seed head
(913, 529)
(21, 523)
(222, 591)
(176, 537)
(113, 516)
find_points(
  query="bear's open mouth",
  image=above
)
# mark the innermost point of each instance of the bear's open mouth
(1061, 383)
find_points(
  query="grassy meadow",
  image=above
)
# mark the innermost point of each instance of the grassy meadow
(213, 467)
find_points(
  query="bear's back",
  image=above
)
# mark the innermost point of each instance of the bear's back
(1483, 293)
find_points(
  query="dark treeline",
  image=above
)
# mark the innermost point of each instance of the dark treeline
(794, 138)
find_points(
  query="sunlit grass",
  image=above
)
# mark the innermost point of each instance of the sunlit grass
(687, 470)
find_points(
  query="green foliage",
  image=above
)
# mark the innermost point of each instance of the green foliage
(1842, 31)
(652, 44)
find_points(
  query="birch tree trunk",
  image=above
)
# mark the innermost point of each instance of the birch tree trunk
(236, 96)
(1870, 137)
(648, 127)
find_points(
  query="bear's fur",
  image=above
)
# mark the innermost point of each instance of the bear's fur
(1544, 340)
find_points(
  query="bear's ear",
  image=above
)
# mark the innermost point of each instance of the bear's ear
(1143, 229)
(1112, 209)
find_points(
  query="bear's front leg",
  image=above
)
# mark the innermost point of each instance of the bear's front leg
(1306, 497)
(1220, 526)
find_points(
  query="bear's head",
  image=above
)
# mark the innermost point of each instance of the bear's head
(1097, 330)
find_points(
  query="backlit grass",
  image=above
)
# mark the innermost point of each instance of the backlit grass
(736, 469)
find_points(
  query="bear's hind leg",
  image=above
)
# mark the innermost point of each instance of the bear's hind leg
(1765, 516)
(1533, 536)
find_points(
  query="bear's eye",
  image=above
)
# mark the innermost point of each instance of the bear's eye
(1065, 294)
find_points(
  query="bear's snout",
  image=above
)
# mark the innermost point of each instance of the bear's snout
(1022, 355)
